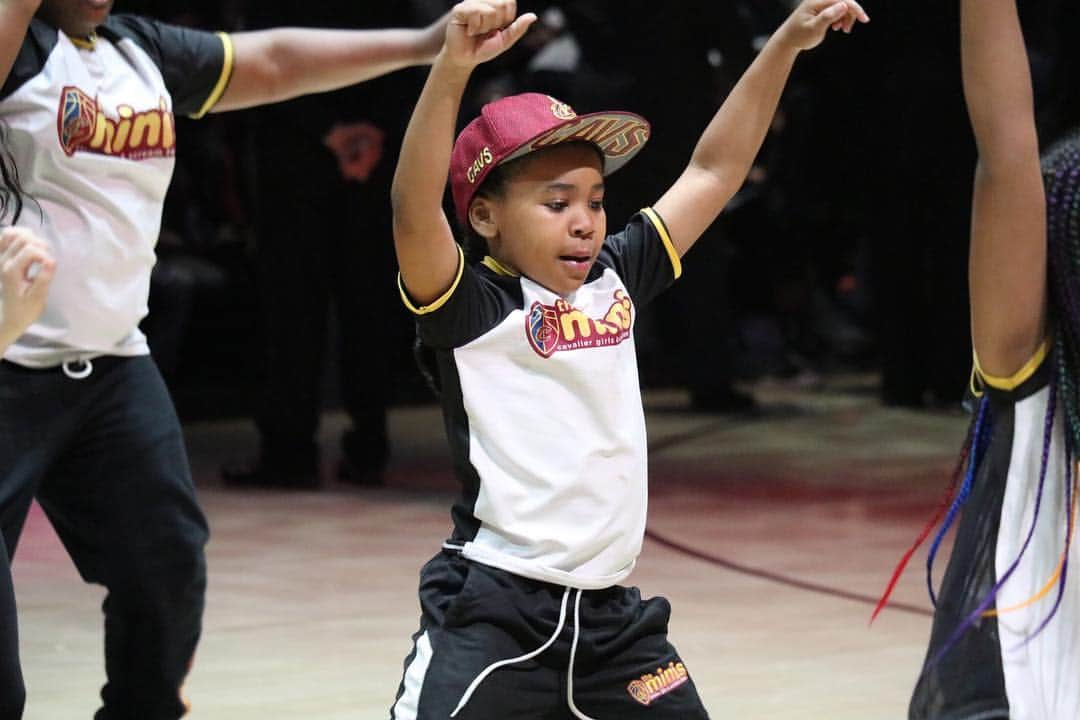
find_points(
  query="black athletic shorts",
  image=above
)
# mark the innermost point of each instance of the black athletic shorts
(475, 616)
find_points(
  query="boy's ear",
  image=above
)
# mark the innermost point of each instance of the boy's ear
(482, 218)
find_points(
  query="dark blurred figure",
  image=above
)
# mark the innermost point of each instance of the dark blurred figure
(202, 296)
(322, 170)
(925, 157)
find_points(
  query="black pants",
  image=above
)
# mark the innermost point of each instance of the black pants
(323, 243)
(105, 458)
(474, 616)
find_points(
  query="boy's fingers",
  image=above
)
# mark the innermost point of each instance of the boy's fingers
(519, 27)
(832, 16)
(860, 14)
(506, 13)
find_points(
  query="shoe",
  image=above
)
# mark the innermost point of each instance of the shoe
(363, 457)
(261, 473)
(370, 474)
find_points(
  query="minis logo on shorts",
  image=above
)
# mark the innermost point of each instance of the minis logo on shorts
(82, 126)
(651, 686)
(551, 328)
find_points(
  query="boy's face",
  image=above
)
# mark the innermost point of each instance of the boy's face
(77, 18)
(549, 223)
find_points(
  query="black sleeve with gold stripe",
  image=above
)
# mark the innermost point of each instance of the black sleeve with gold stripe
(643, 257)
(478, 300)
(195, 64)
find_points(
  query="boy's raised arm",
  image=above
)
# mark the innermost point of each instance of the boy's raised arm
(727, 148)
(479, 30)
(1008, 223)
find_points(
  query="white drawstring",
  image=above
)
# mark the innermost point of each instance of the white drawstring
(528, 656)
(573, 653)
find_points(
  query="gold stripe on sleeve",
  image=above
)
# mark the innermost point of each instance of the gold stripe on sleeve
(438, 302)
(661, 228)
(223, 80)
(1020, 376)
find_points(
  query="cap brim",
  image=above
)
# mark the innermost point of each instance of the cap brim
(618, 135)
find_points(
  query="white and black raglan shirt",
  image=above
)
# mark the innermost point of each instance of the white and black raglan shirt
(542, 406)
(91, 127)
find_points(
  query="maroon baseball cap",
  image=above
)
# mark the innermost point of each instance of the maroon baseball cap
(520, 124)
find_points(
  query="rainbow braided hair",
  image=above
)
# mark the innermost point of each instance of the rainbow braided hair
(1061, 176)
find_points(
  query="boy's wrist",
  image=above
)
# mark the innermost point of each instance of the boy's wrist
(447, 65)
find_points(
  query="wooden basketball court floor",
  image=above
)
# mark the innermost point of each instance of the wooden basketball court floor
(767, 534)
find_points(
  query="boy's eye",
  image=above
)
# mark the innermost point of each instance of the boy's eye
(556, 204)
(597, 204)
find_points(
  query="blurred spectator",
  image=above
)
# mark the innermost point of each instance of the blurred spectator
(322, 170)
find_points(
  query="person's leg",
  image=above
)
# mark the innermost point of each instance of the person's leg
(473, 616)
(35, 418)
(371, 322)
(122, 501)
(291, 263)
(625, 665)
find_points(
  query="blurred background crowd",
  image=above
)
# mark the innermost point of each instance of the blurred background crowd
(275, 297)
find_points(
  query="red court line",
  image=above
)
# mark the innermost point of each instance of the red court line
(779, 579)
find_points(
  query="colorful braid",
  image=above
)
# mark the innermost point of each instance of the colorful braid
(988, 599)
(979, 441)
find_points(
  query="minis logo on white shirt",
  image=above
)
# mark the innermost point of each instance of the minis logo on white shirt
(551, 328)
(136, 135)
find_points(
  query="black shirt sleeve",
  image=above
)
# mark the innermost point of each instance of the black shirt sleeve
(196, 64)
(477, 301)
(39, 42)
(643, 256)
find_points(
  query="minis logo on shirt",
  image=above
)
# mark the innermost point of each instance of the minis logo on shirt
(551, 328)
(83, 127)
(651, 686)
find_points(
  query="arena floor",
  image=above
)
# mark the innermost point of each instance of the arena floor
(769, 535)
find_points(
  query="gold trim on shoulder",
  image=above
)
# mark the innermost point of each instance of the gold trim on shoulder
(439, 301)
(1020, 376)
(661, 228)
(223, 80)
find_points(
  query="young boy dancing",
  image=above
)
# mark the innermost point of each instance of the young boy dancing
(522, 614)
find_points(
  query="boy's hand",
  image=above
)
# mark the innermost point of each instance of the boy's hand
(481, 30)
(26, 267)
(805, 28)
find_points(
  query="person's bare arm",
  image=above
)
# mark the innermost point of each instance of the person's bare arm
(15, 17)
(479, 30)
(284, 63)
(1008, 224)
